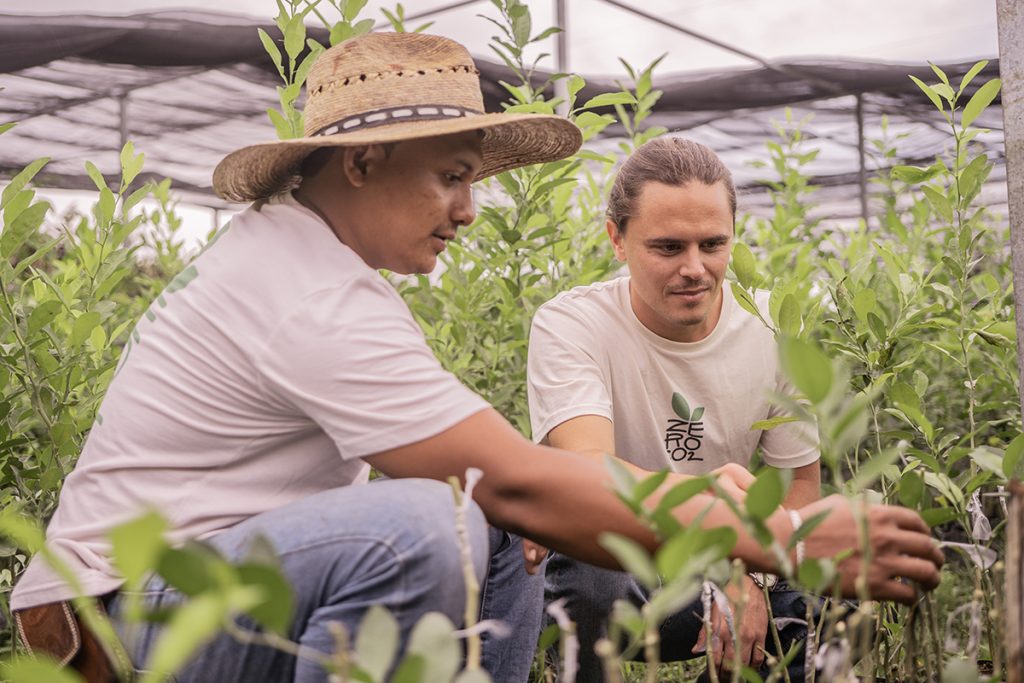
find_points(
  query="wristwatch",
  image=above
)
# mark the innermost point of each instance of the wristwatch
(764, 581)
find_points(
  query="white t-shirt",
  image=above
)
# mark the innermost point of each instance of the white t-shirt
(590, 355)
(261, 375)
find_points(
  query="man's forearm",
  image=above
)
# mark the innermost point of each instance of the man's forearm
(801, 493)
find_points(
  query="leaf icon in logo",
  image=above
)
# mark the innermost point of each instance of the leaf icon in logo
(680, 406)
(697, 414)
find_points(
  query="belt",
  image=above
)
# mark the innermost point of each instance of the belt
(55, 629)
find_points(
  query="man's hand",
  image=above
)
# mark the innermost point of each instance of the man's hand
(900, 547)
(734, 480)
(533, 555)
(752, 630)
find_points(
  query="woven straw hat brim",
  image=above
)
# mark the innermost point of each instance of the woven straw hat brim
(509, 141)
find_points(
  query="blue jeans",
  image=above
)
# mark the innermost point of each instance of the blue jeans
(389, 543)
(591, 591)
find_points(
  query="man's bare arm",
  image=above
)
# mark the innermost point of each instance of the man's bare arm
(564, 500)
(805, 487)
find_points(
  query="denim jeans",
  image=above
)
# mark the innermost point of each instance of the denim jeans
(389, 543)
(591, 591)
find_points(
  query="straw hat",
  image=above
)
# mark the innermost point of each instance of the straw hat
(386, 87)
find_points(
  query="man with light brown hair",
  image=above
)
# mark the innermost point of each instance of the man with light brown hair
(282, 365)
(665, 370)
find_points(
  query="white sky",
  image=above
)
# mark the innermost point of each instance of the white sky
(888, 30)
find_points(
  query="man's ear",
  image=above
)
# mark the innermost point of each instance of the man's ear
(358, 163)
(617, 239)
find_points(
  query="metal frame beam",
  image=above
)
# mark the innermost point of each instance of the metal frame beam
(1010, 18)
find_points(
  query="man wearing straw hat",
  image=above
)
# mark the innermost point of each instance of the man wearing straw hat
(281, 365)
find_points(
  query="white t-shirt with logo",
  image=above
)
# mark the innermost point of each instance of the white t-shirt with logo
(685, 406)
(263, 374)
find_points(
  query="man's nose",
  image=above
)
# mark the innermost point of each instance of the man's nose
(464, 212)
(690, 264)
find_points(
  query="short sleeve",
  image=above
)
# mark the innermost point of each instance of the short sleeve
(353, 360)
(793, 444)
(564, 377)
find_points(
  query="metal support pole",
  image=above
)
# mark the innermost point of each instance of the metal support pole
(562, 54)
(862, 158)
(122, 108)
(1010, 17)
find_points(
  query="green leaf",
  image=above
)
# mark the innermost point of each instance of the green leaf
(521, 24)
(608, 99)
(549, 636)
(83, 327)
(590, 120)
(27, 223)
(903, 393)
(433, 638)
(98, 339)
(816, 575)
(789, 322)
(877, 327)
(131, 164)
(377, 642)
(104, 208)
(915, 174)
(697, 414)
(945, 486)
(939, 201)
(366, 25)
(42, 315)
(945, 92)
(411, 670)
(191, 626)
(864, 302)
(340, 32)
(766, 494)
(294, 36)
(940, 73)
(271, 48)
(680, 406)
(622, 479)
(682, 492)
(188, 569)
(353, 8)
(939, 516)
(37, 669)
(137, 545)
(4, 127)
(274, 611)
(773, 422)
(575, 84)
(1012, 458)
(23, 178)
(743, 298)
(971, 73)
(744, 265)
(24, 530)
(807, 366)
(929, 91)
(988, 459)
(632, 556)
(911, 489)
(283, 128)
(979, 101)
(649, 485)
